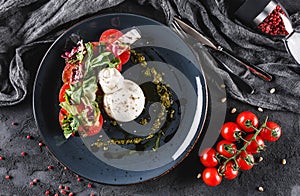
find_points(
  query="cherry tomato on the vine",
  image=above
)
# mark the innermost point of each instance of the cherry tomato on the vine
(231, 131)
(247, 117)
(230, 171)
(226, 148)
(208, 157)
(211, 176)
(272, 132)
(245, 161)
(255, 146)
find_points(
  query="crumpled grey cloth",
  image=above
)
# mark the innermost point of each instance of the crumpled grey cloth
(26, 25)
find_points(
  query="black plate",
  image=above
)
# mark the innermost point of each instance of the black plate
(163, 50)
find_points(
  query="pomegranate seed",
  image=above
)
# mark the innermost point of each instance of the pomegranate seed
(50, 167)
(7, 177)
(71, 194)
(47, 192)
(41, 144)
(89, 185)
(63, 192)
(28, 137)
(67, 188)
(60, 186)
(23, 154)
(14, 123)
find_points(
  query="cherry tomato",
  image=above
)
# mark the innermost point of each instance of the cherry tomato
(245, 161)
(61, 116)
(272, 132)
(254, 146)
(245, 117)
(124, 57)
(211, 176)
(230, 172)
(69, 72)
(62, 92)
(92, 130)
(110, 35)
(231, 131)
(208, 157)
(226, 148)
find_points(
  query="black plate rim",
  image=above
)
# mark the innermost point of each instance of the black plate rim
(50, 150)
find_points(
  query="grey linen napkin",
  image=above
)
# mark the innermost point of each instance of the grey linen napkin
(28, 25)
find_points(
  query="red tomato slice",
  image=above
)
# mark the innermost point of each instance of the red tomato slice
(62, 92)
(92, 130)
(61, 116)
(124, 57)
(110, 35)
(68, 72)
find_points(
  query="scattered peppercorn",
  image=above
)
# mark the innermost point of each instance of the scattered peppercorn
(78, 179)
(28, 137)
(50, 167)
(283, 161)
(199, 176)
(31, 183)
(65, 168)
(261, 189)
(23, 154)
(260, 109)
(41, 144)
(60, 186)
(1, 158)
(63, 192)
(233, 110)
(272, 90)
(47, 192)
(260, 159)
(67, 188)
(56, 194)
(35, 180)
(89, 185)
(71, 194)
(7, 177)
(14, 123)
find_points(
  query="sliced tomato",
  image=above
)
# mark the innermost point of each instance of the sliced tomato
(110, 35)
(62, 92)
(68, 72)
(124, 57)
(61, 116)
(92, 130)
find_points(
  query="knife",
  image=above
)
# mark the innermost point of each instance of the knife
(206, 42)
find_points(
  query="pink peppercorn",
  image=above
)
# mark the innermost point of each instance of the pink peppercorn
(7, 177)
(89, 185)
(47, 192)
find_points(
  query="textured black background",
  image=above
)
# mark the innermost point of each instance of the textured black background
(277, 179)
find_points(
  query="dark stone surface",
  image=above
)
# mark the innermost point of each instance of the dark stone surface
(277, 179)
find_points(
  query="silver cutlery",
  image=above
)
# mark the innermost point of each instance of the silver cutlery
(241, 84)
(206, 42)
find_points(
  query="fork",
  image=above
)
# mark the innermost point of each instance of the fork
(240, 83)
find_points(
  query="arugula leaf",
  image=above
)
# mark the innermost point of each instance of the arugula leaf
(69, 125)
(71, 109)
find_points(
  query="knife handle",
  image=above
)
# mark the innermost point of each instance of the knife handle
(254, 69)
(240, 83)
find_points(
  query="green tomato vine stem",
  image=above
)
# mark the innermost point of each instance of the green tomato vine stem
(249, 124)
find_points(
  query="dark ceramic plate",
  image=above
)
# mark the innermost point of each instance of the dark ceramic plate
(165, 53)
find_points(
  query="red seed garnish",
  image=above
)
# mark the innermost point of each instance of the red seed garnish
(1, 158)
(63, 192)
(56, 194)
(71, 194)
(28, 137)
(78, 179)
(50, 167)
(47, 192)
(89, 185)
(23, 154)
(92, 194)
(65, 168)
(35, 180)
(31, 183)
(14, 123)
(60, 186)
(7, 177)
(67, 188)
(41, 144)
